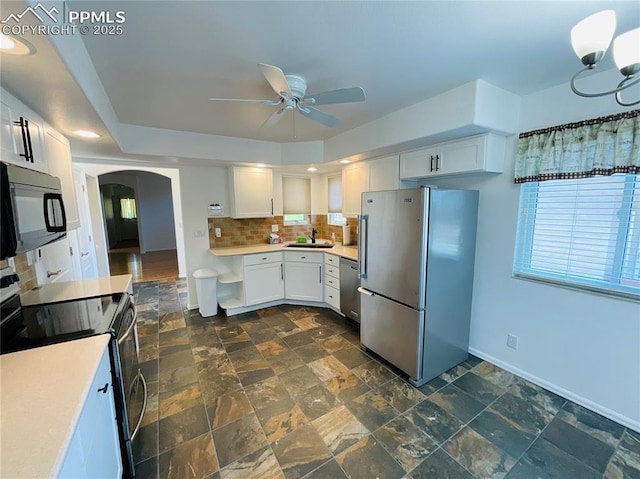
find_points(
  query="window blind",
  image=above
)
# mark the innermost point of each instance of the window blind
(335, 194)
(296, 195)
(581, 232)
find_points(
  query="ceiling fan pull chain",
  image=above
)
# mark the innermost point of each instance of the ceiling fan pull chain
(294, 124)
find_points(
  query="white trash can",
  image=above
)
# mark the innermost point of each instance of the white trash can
(206, 290)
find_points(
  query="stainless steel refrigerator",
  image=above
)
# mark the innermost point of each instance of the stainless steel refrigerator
(416, 257)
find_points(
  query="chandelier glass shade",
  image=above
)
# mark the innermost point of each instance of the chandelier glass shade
(591, 38)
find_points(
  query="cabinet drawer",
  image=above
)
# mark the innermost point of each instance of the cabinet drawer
(332, 270)
(332, 296)
(333, 260)
(251, 259)
(331, 281)
(303, 257)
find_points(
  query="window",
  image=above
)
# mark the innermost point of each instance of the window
(335, 216)
(296, 200)
(128, 208)
(582, 233)
(336, 219)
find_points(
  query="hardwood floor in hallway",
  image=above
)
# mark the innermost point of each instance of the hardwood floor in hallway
(151, 266)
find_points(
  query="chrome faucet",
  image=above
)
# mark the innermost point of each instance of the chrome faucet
(314, 232)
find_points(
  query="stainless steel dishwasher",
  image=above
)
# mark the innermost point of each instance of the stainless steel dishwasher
(349, 295)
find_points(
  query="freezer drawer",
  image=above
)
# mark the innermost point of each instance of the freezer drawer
(393, 331)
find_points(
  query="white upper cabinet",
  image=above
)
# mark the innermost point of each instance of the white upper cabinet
(355, 181)
(58, 154)
(483, 153)
(22, 135)
(251, 192)
(372, 175)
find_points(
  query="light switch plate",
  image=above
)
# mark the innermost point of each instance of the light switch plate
(274, 228)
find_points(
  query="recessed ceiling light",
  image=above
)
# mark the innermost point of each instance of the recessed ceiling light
(15, 46)
(6, 43)
(86, 134)
(312, 168)
(261, 165)
(344, 162)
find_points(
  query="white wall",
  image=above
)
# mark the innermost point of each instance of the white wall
(156, 212)
(583, 346)
(200, 187)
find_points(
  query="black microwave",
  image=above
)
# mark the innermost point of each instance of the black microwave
(31, 210)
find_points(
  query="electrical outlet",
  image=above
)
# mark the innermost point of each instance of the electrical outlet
(198, 233)
(512, 341)
(274, 228)
(218, 232)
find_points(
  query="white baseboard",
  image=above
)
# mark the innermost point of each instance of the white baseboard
(595, 407)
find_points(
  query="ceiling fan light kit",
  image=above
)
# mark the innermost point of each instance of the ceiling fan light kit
(292, 90)
(591, 38)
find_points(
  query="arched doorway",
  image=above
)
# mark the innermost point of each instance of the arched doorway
(138, 216)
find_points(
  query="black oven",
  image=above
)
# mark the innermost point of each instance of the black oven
(25, 327)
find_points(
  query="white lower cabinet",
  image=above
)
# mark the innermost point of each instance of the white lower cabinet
(332, 281)
(263, 282)
(303, 274)
(94, 450)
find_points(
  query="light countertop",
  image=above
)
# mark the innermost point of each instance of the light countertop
(42, 394)
(68, 290)
(350, 252)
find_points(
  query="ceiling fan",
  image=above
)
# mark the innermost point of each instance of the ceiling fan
(292, 91)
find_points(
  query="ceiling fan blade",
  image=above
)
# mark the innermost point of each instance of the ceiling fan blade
(344, 95)
(266, 102)
(316, 115)
(276, 79)
(274, 118)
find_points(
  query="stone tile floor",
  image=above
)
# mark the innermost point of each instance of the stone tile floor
(286, 392)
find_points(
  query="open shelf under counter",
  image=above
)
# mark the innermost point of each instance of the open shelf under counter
(230, 303)
(230, 277)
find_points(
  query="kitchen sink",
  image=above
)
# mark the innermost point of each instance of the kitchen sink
(309, 245)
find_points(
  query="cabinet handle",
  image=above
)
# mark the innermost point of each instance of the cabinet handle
(104, 389)
(320, 271)
(303, 257)
(53, 273)
(271, 206)
(25, 145)
(26, 127)
(84, 254)
(431, 164)
(437, 160)
(281, 272)
(265, 259)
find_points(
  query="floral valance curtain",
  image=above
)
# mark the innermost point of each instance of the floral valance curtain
(600, 146)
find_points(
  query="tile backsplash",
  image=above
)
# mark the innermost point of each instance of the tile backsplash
(26, 273)
(243, 232)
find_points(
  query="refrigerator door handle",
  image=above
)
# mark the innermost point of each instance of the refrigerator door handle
(364, 291)
(363, 222)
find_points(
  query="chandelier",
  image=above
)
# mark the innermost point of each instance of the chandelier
(591, 38)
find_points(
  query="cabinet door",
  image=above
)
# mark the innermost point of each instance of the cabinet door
(252, 193)
(8, 150)
(263, 283)
(33, 132)
(355, 181)
(303, 281)
(419, 163)
(59, 158)
(464, 156)
(384, 173)
(95, 445)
